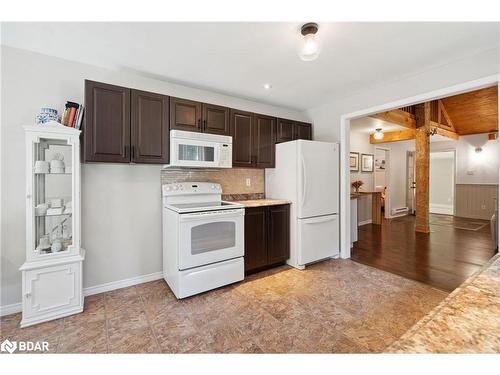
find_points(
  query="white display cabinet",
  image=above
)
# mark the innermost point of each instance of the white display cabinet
(52, 273)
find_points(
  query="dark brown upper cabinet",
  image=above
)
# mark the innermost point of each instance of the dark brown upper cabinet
(242, 124)
(215, 119)
(106, 134)
(288, 130)
(253, 139)
(264, 141)
(149, 128)
(303, 131)
(285, 131)
(185, 115)
(123, 125)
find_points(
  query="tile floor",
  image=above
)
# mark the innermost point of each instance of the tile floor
(336, 306)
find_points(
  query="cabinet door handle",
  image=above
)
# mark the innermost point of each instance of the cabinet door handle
(199, 123)
(204, 124)
(133, 152)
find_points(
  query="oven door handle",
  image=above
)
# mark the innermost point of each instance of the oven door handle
(213, 214)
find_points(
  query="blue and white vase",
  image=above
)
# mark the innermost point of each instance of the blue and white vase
(46, 115)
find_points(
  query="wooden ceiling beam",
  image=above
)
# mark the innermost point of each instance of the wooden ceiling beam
(398, 117)
(395, 136)
(444, 132)
(444, 113)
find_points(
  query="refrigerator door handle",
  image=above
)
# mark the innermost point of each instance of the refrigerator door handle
(304, 180)
(321, 219)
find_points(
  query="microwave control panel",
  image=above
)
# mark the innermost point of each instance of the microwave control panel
(226, 155)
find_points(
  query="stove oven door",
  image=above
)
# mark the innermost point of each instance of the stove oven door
(210, 237)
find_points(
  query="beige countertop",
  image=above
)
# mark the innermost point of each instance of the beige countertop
(262, 202)
(467, 321)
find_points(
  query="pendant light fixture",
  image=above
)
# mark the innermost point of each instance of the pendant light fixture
(310, 44)
(378, 134)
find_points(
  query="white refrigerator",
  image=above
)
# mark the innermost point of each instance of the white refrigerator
(307, 174)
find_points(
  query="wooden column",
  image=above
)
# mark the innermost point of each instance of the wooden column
(422, 147)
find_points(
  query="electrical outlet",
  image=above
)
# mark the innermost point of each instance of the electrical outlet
(483, 207)
(248, 181)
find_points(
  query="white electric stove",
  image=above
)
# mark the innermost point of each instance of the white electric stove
(203, 238)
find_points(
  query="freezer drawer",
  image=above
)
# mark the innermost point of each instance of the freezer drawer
(318, 238)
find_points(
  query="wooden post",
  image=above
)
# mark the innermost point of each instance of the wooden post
(422, 147)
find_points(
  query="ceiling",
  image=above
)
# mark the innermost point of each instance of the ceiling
(238, 58)
(474, 112)
(367, 125)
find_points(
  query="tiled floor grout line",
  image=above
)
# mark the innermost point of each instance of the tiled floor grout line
(151, 327)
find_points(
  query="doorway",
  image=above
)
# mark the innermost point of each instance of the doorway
(381, 178)
(442, 183)
(410, 181)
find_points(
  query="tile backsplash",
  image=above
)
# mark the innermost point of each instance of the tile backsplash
(232, 180)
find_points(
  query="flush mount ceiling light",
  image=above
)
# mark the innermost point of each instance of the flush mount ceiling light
(267, 86)
(310, 45)
(378, 134)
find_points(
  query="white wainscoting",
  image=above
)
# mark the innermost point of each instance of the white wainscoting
(475, 201)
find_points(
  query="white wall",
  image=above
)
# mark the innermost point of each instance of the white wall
(441, 182)
(121, 220)
(359, 142)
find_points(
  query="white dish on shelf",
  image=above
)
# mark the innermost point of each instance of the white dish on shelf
(56, 202)
(41, 209)
(57, 170)
(54, 211)
(42, 166)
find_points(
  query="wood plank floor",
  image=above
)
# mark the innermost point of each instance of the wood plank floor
(443, 259)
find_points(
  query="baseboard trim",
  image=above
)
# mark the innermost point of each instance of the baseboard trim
(17, 307)
(361, 223)
(10, 309)
(443, 209)
(122, 283)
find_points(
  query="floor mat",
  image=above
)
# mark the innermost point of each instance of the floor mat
(458, 222)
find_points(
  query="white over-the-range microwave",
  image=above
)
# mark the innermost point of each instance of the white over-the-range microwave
(200, 150)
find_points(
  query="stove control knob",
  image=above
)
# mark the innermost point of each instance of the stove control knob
(176, 187)
(168, 188)
(213, 186)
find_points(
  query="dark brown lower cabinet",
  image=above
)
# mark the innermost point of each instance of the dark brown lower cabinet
(267, 237)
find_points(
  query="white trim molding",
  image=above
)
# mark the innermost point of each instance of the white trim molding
(91, 290)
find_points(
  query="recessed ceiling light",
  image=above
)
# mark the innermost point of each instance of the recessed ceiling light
(267, 86)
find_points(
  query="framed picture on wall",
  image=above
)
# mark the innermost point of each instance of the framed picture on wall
(354, 161)
(366, 162)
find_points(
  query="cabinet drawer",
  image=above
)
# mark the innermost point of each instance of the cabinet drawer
(50, 290)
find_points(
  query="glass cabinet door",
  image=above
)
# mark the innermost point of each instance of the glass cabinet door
(52, 196)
